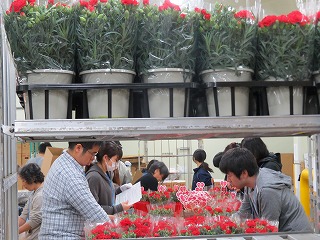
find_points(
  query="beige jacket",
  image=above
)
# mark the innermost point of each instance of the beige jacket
(32, 209)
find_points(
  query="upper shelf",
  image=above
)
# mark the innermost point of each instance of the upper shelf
(166, 128)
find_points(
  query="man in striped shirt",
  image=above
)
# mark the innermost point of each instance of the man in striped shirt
(67, 199)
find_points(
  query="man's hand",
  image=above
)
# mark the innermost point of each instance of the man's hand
(125, 187)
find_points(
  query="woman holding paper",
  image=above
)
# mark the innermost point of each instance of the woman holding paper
(100, 183)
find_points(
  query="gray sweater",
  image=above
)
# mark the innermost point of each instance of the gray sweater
(101, 190)
(273, 199)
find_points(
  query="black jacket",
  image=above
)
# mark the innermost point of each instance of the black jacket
(148, 181)
(273, 161)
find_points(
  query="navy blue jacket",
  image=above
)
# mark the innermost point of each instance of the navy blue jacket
(201, 175)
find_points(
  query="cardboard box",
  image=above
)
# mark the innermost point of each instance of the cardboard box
(50, 155)
(136, 175)
(171, 184)
(20, 184)
(132, 159)
(287, 164)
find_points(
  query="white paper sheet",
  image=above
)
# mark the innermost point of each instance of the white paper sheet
(132, 195)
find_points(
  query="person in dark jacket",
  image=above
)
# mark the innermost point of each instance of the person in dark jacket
(202, 172)
(265, 159)
(145, 170)
(157, 172)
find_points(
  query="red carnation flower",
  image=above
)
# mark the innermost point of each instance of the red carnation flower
(268, 21)
(283, 19)
(244, 14)
(17, 5)
(298, 17)
(207, 16)
(93, 2)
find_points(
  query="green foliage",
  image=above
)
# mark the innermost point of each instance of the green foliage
(42, 38)
(165, 39)
(106, 37)
(316, 56)
(226, 42)
(285, 51)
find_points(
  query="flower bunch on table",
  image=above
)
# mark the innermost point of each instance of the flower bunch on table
(107, 230)
(223, 201)
(134, 225)
(166, 209)
(166, 37)
(163, 195)
(226, 38)
(106, 33)
(165, 227)
(41, 36)
(201, 225)
(260, 226)
(193, 200)
(285, 47)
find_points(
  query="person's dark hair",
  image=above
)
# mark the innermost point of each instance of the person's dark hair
(43, 146)
(200, 155)
(144, 170)
(120, 146)
(109, 148)
(164, 171)
(151, 162)
(237, 160)
(217, 158)
(31, 173)
(86, 145)
(256, 146)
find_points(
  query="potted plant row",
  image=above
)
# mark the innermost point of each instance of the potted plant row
(110, 41)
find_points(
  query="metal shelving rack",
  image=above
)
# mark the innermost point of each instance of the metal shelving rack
(165, 128)
(129, 129)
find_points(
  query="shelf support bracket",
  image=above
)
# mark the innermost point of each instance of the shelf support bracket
(8, 130)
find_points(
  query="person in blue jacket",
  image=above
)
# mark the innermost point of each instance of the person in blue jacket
(202, 172)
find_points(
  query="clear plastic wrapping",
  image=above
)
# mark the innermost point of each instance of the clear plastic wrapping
(166, 37)
(316, 56)
(106, 35)
(285, 47)
(226, 38)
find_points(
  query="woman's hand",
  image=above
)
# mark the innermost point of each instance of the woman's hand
(126, 206)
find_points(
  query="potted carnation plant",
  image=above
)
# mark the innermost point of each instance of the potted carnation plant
(42, 44)
(285, 49)
(226, 54)
(106, 42)
(166, 50)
